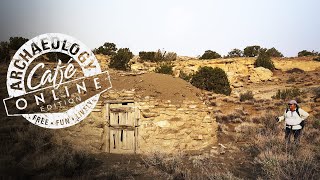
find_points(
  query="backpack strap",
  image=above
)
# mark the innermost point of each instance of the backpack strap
(297, 110)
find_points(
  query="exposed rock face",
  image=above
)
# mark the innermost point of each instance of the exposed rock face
(235, 67)
(260, 74)
(304, 63)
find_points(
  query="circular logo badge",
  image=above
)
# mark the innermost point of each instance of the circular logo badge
(54, 94)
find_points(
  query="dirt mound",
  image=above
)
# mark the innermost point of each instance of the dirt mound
(160, 86)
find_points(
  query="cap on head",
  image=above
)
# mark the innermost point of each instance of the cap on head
(293, 102)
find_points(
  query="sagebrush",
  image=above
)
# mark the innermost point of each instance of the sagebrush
(286, 94)
(165, 68)
(120, 60)
(264, 60)
(212, 79)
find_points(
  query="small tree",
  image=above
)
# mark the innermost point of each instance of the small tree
(212, 79)
(246, 96)
(235, 53)
(170, 56)
(120, 60)
(16, 42)
(106, 49)
(317, 58)
(147, 56)
(185, 76)
(55, 56)
(307, 53)
(251, 51)
(287, 94)
(264, 60)
(316, 92)
(158, 56)
(4, 51)
(273, 52)
(165, 68)
(208, 54)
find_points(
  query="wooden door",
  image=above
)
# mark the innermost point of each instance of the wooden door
(122, 127)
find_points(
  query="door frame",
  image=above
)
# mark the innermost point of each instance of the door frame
(109, 127)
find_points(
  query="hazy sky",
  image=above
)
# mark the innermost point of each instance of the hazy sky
(182, 26)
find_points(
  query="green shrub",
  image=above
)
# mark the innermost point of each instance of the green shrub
(16, 42)
(4, 51)
(208, 54)
(264, 60)
(290, 164)
(158, 56)
(235, 53)
(291, 79)
(165, 68)
(185, 76)
(34, 152)
(120, 60)
(246, 96)
(170, 56)
(251, 51)
(316, 123)
(106, 49)
(307, 53)
(147, 56)
(212, 79)
(176, 167)
(316, 92)
(317, 58)
(55, 56)
(273, 52)
(287, 94)
(275, 159)
(316, 120)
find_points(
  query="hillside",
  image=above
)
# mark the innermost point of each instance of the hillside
(247, 137)
(241, 72)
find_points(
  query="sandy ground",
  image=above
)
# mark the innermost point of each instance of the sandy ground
(160, 86)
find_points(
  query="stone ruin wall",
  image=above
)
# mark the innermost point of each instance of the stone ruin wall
(163, 126)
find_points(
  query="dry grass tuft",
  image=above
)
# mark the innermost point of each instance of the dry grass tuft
(33, 153)
(276, 159)
(199, 167)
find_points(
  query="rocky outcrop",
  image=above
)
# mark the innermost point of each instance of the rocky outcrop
(235, 67)
(260, 74)
(304, 63)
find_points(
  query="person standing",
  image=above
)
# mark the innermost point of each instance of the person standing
(294, 118)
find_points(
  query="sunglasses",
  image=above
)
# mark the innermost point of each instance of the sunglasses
(290, 104)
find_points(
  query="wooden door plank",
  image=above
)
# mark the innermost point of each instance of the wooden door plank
(124, 147)
(123, 120)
